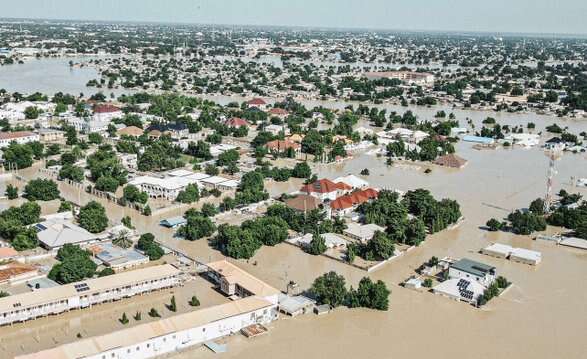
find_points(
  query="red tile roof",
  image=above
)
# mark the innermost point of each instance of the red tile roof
(236, 122)
(16, 134)
(105, 108)
(257, 101)
(303, 202)
(282, 145)
(278, 111)
(325, 186)
(354, 199)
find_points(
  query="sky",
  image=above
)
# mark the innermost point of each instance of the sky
(525, 16)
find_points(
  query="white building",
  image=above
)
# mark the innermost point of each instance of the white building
(168, 335)
(472, 271)
(520, 255)
(362, 232)
(128, 160)
(526, 256)
(352, 181)
(404, 134)
(106, 113)
(20, 137)
(89, 125)
(460, 289)
(524, 139)
(83, 294)
(497, 250)
(167, 188)
(57, 231)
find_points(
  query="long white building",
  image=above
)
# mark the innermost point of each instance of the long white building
(56, 300)
(255, 303)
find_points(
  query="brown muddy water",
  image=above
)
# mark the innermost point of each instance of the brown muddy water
(543, 315)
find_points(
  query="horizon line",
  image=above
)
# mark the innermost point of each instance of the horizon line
(308, 27)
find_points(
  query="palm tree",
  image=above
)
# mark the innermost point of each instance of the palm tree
(122, 240)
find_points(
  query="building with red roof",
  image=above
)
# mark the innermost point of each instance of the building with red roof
(20, 137)
(258, 103)
(326, 190)
(279, 146)
(105, 108)
(236, 122)
(278, 112)
(346, 204)
(105, 112)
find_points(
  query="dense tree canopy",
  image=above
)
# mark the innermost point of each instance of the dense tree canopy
(92, 217)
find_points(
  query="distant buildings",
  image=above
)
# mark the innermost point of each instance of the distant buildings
(20, 137)
(409, 77)
(49, 135)
(131, 131)
(280, 146)
(106, 113)
(236, 122)
(257, 103)
(451, 160)
(403, 134)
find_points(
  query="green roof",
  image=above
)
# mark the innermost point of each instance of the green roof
(473, 267)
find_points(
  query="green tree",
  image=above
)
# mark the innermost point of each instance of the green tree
(106, 272)
(329, 288)
(302, 170)
(70, 172)
(17, 156)
(537, 206)
(197, 227)
(132, 194)
(172, 305)
(317, 245)
(236, 242)
(194, 302)
(41, 190)
(147, 245)
(11, 192)
(76, 264)
(189, 195)
(92, 217)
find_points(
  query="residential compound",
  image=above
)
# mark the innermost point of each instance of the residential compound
(409, 77)
(169, 187)
(467, 280)
(55, 300)
(254, 303)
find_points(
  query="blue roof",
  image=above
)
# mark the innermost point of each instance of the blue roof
(478, 139)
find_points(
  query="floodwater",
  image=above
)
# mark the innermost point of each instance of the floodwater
(542, 316)
(51, 75)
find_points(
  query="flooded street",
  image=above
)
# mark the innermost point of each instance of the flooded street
(542, 316)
